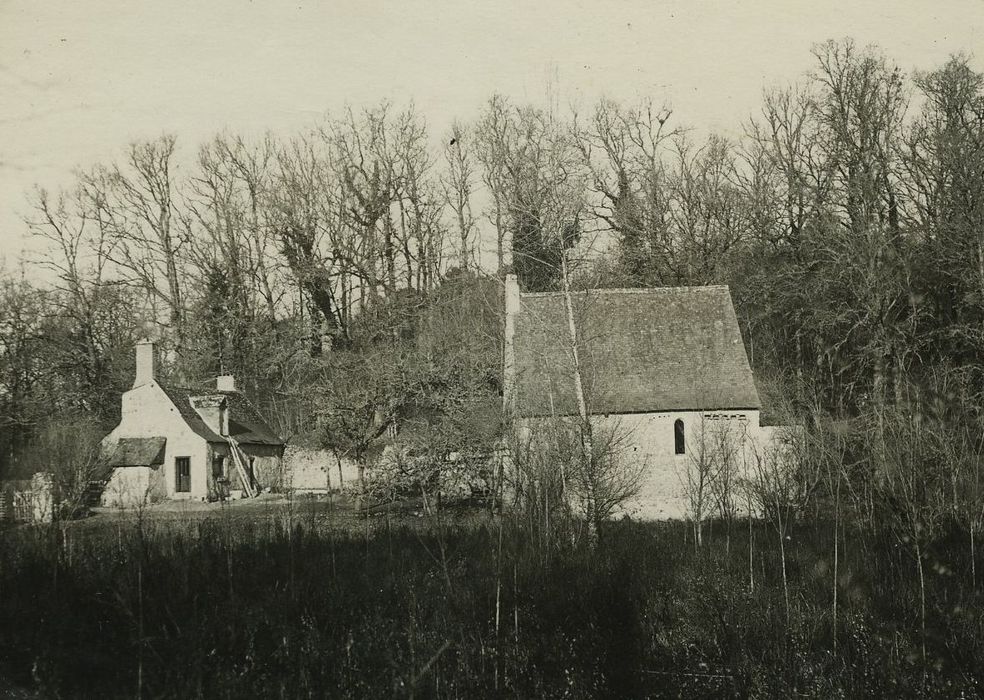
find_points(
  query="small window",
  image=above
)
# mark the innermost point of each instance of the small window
(679, 437)
(218, 467)
(182, 474)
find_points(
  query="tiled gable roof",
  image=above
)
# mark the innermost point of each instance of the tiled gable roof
(246, 424)
(641, 351)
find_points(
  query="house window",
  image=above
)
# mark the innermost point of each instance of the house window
(182, 474)
(679, 438)
(218, 467)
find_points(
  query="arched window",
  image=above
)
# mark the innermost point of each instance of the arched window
(679, 439)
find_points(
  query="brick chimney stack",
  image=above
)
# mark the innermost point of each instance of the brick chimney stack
(146, 363)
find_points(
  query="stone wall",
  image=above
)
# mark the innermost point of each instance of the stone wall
(312, 470)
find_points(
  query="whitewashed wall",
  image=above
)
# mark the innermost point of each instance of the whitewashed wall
(130, 487)
(648, 442)
(147, 411)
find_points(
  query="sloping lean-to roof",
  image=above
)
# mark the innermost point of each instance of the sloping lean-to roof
(641, 351)
(246, 424)
(138, 452)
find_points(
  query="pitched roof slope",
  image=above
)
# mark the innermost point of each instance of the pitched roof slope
(246, 424)
(641, 351)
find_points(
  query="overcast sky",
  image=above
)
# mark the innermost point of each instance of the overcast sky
(80, 79)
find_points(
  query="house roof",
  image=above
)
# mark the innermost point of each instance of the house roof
(641, 351)
(246, 424)
(138, 452)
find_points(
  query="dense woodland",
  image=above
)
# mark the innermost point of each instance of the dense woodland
(349, 275)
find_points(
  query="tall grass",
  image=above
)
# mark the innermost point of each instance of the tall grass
(317, 605)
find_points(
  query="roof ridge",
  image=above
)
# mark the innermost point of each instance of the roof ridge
(175, 387)
(629, 290)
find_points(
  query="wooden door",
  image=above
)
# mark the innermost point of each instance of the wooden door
(182, 474)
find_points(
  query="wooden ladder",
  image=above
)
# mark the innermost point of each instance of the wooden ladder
(239, 458)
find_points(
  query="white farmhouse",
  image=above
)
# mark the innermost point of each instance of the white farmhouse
(181, 443)
(665, 367)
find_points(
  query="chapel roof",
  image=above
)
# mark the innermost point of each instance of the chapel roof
(641, 351)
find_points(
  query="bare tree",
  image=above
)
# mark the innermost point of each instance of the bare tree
(913, 490)
(624, 150)
(226, 206)
(68, 447)
(22, 369)
(557, 485)
(458, 184)
(712, 470)
(492, 134)
(137, 203)
(943, 166)
(778, 490)
(89, 315)
(301, 216)
(591, 452)
(388, 234)
(860, 107)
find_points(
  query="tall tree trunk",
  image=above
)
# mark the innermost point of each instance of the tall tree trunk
(785, 579)
(973, 559)
(499, 238)
(389, 252)
(836, 557)
(587, 448)
(174, 291)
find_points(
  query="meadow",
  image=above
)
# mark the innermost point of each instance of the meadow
(310, 603)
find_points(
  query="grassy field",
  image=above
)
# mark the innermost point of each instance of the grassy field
(294, 600)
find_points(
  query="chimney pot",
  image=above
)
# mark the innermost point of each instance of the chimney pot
(225, 382)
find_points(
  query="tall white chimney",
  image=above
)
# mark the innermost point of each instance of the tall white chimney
(511, 303)
(146, 363)
(225, 382)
